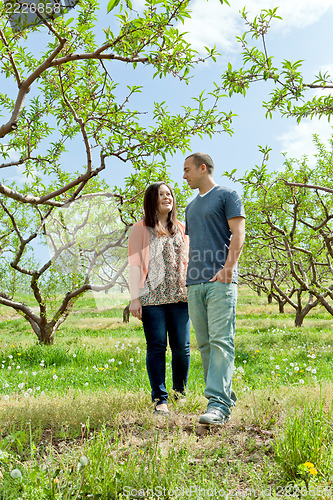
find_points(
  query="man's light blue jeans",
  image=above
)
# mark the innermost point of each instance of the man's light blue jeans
(212, 308)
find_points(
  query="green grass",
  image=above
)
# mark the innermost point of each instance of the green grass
(88, 396)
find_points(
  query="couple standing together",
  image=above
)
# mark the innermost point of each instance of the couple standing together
(169, 285)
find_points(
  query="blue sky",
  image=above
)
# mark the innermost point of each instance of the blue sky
(304, 33)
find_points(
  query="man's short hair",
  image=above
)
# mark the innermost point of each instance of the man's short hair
(200, 158)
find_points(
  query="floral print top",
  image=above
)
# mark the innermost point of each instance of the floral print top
(166, 279)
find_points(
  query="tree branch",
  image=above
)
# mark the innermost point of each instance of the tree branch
(310, 186)
(24, 88)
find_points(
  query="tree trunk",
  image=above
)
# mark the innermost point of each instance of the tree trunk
(299, 317)
(46, 334)
(281, 307)
(270, 298)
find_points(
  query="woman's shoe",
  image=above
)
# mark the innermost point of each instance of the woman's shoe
(161, 409)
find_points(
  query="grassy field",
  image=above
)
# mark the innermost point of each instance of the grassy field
(77, 420)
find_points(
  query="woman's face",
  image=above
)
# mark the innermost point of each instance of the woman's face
(165, 200)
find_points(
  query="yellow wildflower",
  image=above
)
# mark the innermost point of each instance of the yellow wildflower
(313, 471)
(309, 465)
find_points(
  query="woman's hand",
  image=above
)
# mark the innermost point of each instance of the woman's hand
(135, 308)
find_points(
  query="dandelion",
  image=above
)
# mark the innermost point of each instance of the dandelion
(55, 377)
(313, 471)
(120, 363)
(74, 355)
(277, 367)
(83, 461)
(314, 370)
(301, 381)
(29, 390)
(296, 368)
(6, 384)
(131, 360)
(26, 394)
(10, 357)
(16, 474)
(116, 368)
(34, 374)
(87, 383)
(21, 385)
(309, 465)
(18, 367)
(6, 397)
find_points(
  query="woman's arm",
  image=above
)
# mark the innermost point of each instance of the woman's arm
(134, 284)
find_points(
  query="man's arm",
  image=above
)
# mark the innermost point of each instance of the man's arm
(237, 228)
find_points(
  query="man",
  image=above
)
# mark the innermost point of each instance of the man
(215, 223)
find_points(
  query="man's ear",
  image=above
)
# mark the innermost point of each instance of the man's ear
(203, 167)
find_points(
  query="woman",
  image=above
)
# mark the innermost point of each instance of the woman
(158, 254)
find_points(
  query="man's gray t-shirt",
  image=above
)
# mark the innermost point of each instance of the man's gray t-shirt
(206, 220)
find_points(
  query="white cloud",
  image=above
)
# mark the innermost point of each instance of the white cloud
(211, 24)
(298, 140)
(214, 24)
(138, 5)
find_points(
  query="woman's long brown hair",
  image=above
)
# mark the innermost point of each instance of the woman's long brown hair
(150, 205)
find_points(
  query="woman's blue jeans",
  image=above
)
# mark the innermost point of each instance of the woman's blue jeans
(159, 322)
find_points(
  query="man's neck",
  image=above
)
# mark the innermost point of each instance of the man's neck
(207, 185)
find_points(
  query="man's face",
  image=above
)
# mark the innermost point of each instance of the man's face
(192, 174)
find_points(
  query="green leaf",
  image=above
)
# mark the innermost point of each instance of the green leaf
(112, 4)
